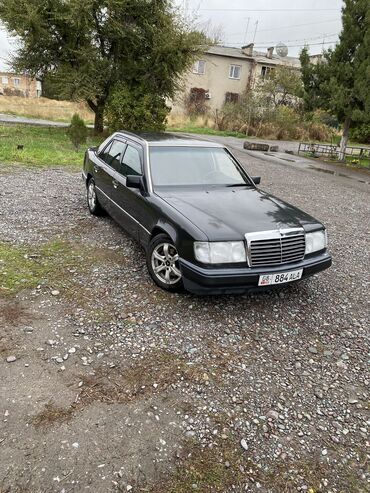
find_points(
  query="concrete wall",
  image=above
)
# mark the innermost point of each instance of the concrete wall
(28, 87)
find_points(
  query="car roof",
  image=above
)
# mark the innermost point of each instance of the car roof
(161, 139)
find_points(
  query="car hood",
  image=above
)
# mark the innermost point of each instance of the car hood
(230, 213)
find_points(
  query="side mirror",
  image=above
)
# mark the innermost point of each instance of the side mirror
(256, 180)
(135, 181)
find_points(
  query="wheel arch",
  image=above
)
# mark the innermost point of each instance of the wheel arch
(88, 178)
(166, 229)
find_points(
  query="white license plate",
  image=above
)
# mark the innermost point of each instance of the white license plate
(268, 279)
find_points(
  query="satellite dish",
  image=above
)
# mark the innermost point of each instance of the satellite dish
(281, 49)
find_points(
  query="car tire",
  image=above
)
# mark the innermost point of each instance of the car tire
(163, 263)
(92, 199)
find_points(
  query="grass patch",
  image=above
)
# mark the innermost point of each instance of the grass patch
(26, 267)
(351, 161)
(219, 469)
(355, 161)
(44, 108)
(153, 373)
(226, 467)
(43, 146)
(52, 414)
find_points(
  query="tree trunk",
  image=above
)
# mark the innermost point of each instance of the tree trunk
(98, 109)
(344, 139)
(99, 119)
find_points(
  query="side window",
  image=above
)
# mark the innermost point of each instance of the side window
(131, 162)
(105, 153)
(113, 153)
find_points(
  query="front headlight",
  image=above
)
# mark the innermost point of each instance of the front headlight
(220, 252)
(316, 241)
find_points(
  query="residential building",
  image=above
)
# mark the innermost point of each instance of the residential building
(224, 73)
(19, 85)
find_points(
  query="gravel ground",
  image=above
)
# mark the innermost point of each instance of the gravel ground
(110, 384)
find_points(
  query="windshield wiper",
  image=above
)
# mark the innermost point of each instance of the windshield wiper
(240, 185)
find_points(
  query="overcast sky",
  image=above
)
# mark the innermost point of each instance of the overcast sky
(295, 23)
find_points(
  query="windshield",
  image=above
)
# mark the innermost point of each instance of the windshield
(194, 166)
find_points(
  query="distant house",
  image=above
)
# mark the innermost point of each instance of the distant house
(223, 73)
(19, 85)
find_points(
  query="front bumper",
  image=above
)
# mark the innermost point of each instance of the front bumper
(200, 280)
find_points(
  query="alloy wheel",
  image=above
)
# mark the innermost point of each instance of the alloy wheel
(165, 263)
(91, 195)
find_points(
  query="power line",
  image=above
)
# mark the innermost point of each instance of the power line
(297, 46)
(262, 10)
(291, 26)
(321, 36)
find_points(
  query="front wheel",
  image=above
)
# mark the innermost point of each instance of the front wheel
(92, 199)
(163, 263)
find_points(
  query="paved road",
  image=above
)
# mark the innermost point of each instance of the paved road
(338, 172)
(4, 118)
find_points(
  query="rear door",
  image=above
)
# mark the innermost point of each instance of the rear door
(106, 174)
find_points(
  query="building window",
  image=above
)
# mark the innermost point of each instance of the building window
(234, 72)
(16, 82)
(232, 97)
(5, 80)
(266, 72)
(199, 67)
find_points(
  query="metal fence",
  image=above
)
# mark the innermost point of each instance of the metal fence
(332, 151)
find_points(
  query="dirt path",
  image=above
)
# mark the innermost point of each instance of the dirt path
(119, 386)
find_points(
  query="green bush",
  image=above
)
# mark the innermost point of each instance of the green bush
(134, 109)
(320, 131)
(252, 116)
(287, 123)
(361, 133)
(77, 131)
(323, 117)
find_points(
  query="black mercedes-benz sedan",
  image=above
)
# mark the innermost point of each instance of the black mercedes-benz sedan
(202, 221)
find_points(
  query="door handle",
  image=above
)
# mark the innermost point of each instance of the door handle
(96, 169)
(115, 183)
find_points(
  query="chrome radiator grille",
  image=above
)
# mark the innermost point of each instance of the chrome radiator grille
(278, 247)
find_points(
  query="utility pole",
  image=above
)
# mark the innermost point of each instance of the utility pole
(246, 30)
(255, 31)
(323, 43)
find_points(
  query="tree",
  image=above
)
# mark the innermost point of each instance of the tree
(135, 109)
(87, 48)
(282, 88)
(312, 77)
(77, 131)
(340, 82)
